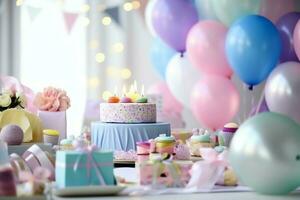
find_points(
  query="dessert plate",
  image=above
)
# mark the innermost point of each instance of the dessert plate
(84, 191)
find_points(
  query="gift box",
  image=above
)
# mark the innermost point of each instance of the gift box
(56, 121)
(79, 168)
(164, 173)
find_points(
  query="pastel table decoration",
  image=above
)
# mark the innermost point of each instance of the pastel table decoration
(113, 99)
(51, 136)
(143, 148)
(84, 167)
(118, 136)
(52, 104)
(7, 180)
(125, 99)
(162, 173)
(142, 100)
(12, 134)
(225, 136)
(199, 141)
(181, 134)
(17, 117)
(36, 157)
(165, 144)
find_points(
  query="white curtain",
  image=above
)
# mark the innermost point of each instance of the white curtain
(9, 38)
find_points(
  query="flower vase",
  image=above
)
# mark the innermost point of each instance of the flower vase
(56, 121)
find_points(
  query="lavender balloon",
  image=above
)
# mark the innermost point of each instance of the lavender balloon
(263, 107)
(286, 25)
(172, 20)
(282, 90)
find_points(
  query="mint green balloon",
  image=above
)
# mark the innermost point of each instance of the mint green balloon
(265, 153)
(228, 11)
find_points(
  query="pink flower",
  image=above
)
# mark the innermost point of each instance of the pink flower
(52, 99)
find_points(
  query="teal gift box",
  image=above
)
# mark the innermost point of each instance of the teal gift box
(74, 168)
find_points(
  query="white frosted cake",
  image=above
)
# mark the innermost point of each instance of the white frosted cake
(128, 112)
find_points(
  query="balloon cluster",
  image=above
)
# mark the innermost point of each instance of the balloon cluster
(200, 44)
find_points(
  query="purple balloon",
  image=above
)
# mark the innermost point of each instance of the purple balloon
(263, 107)
(172, 20)
(286, 25)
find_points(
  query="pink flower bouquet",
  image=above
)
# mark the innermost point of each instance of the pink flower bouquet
(52, 104)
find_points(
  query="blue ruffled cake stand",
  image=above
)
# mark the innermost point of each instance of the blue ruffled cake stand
(117, 136)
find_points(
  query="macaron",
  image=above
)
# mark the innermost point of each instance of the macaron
(12, 134)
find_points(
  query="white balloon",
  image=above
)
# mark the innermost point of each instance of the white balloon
(148, 16)
(181, 77)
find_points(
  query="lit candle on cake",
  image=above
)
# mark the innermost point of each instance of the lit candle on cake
(133, 94)
(114, 98)
(143, 99)
(125, 99)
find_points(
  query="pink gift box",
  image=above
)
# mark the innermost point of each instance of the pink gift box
(148, 170)
(56, 121)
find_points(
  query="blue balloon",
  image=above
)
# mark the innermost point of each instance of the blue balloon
(253, 48)
(160, 55)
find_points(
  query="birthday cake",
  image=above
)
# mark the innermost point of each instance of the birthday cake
(128, 112)
(126, 120)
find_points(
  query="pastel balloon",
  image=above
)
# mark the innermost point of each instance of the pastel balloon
(160, 55)
(206, 47)
(214, 101)
(228, 11)
(181, 76)
(286, 25)
(148, 16)
(274, 9)
(282, 90)
(265, 153)
(296, 38)
(253, 48)
(205, 9)
(169, 101)
(172, 20)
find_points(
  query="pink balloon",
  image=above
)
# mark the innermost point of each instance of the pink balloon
(206, 47)
(170, 104)
(274, 9)
(296, 39)
(214, 101)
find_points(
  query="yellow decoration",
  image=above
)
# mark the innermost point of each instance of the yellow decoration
(118, 47)
(106, 94)
(85, 21)
(17, 117)
(100, 57)
(94, 44)
(85, 7)
(125, 73)
(19, 2)
(128, 6)
(106, 21)
(136, 4)
(36, 126)
(51, 132)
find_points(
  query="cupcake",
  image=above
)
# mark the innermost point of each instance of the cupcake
(225, 136)
(199, 141)
(165, 144)
(51, 136)
(143, 148)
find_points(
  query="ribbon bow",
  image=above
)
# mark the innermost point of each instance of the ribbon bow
(91, 163)
(167, 161)
(38, 179)
(205, 174)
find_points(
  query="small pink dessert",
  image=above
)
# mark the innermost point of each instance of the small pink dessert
(126, 100)
(143, 148)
